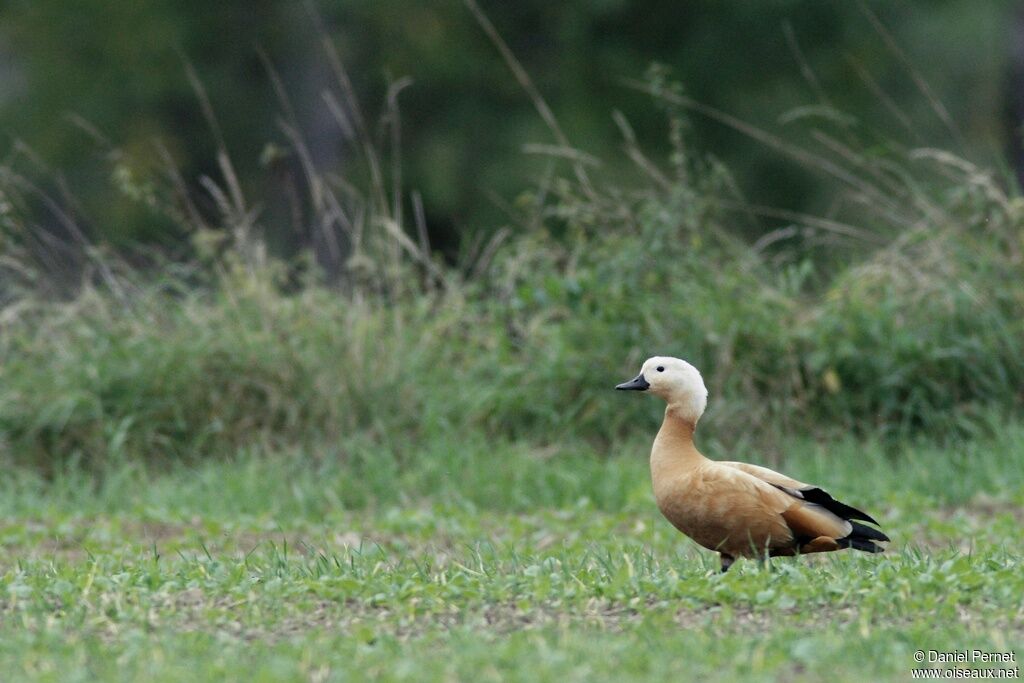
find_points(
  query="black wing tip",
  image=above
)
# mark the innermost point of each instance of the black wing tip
(847, 512)
(864, 517)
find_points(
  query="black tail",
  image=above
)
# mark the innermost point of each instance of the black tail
(863, 538)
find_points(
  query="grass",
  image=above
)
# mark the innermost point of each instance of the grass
(261, 569)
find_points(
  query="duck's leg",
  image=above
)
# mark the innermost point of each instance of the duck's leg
(727, 561)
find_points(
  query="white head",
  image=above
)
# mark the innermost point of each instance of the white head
(674, 380)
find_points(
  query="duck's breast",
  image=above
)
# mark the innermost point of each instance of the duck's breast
(721, 512)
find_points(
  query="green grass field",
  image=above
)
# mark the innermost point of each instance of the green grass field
(509, 565)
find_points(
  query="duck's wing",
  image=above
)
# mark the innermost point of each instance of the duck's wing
(818, 521)
(758, 515)
(764, 474)
(807, 492)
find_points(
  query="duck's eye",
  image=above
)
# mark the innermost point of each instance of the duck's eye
(661, 368)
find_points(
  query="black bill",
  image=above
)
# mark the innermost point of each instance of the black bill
(638, 383)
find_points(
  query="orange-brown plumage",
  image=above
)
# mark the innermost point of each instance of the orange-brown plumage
(734, 508)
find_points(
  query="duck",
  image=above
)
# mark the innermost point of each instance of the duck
(734, 508)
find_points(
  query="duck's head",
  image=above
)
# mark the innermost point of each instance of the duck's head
(674, 380)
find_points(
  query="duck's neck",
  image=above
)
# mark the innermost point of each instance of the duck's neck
(673, 447)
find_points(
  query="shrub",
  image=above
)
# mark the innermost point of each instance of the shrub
(916, 331)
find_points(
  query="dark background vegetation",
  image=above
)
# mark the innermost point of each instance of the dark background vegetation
(291, 224)
(121, 67)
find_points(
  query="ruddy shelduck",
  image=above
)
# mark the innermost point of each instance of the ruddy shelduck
(733, 508)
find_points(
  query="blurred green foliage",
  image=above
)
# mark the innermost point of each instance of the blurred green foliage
(121, 66)
(122, 69)
(920, 335)
(888, 314)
